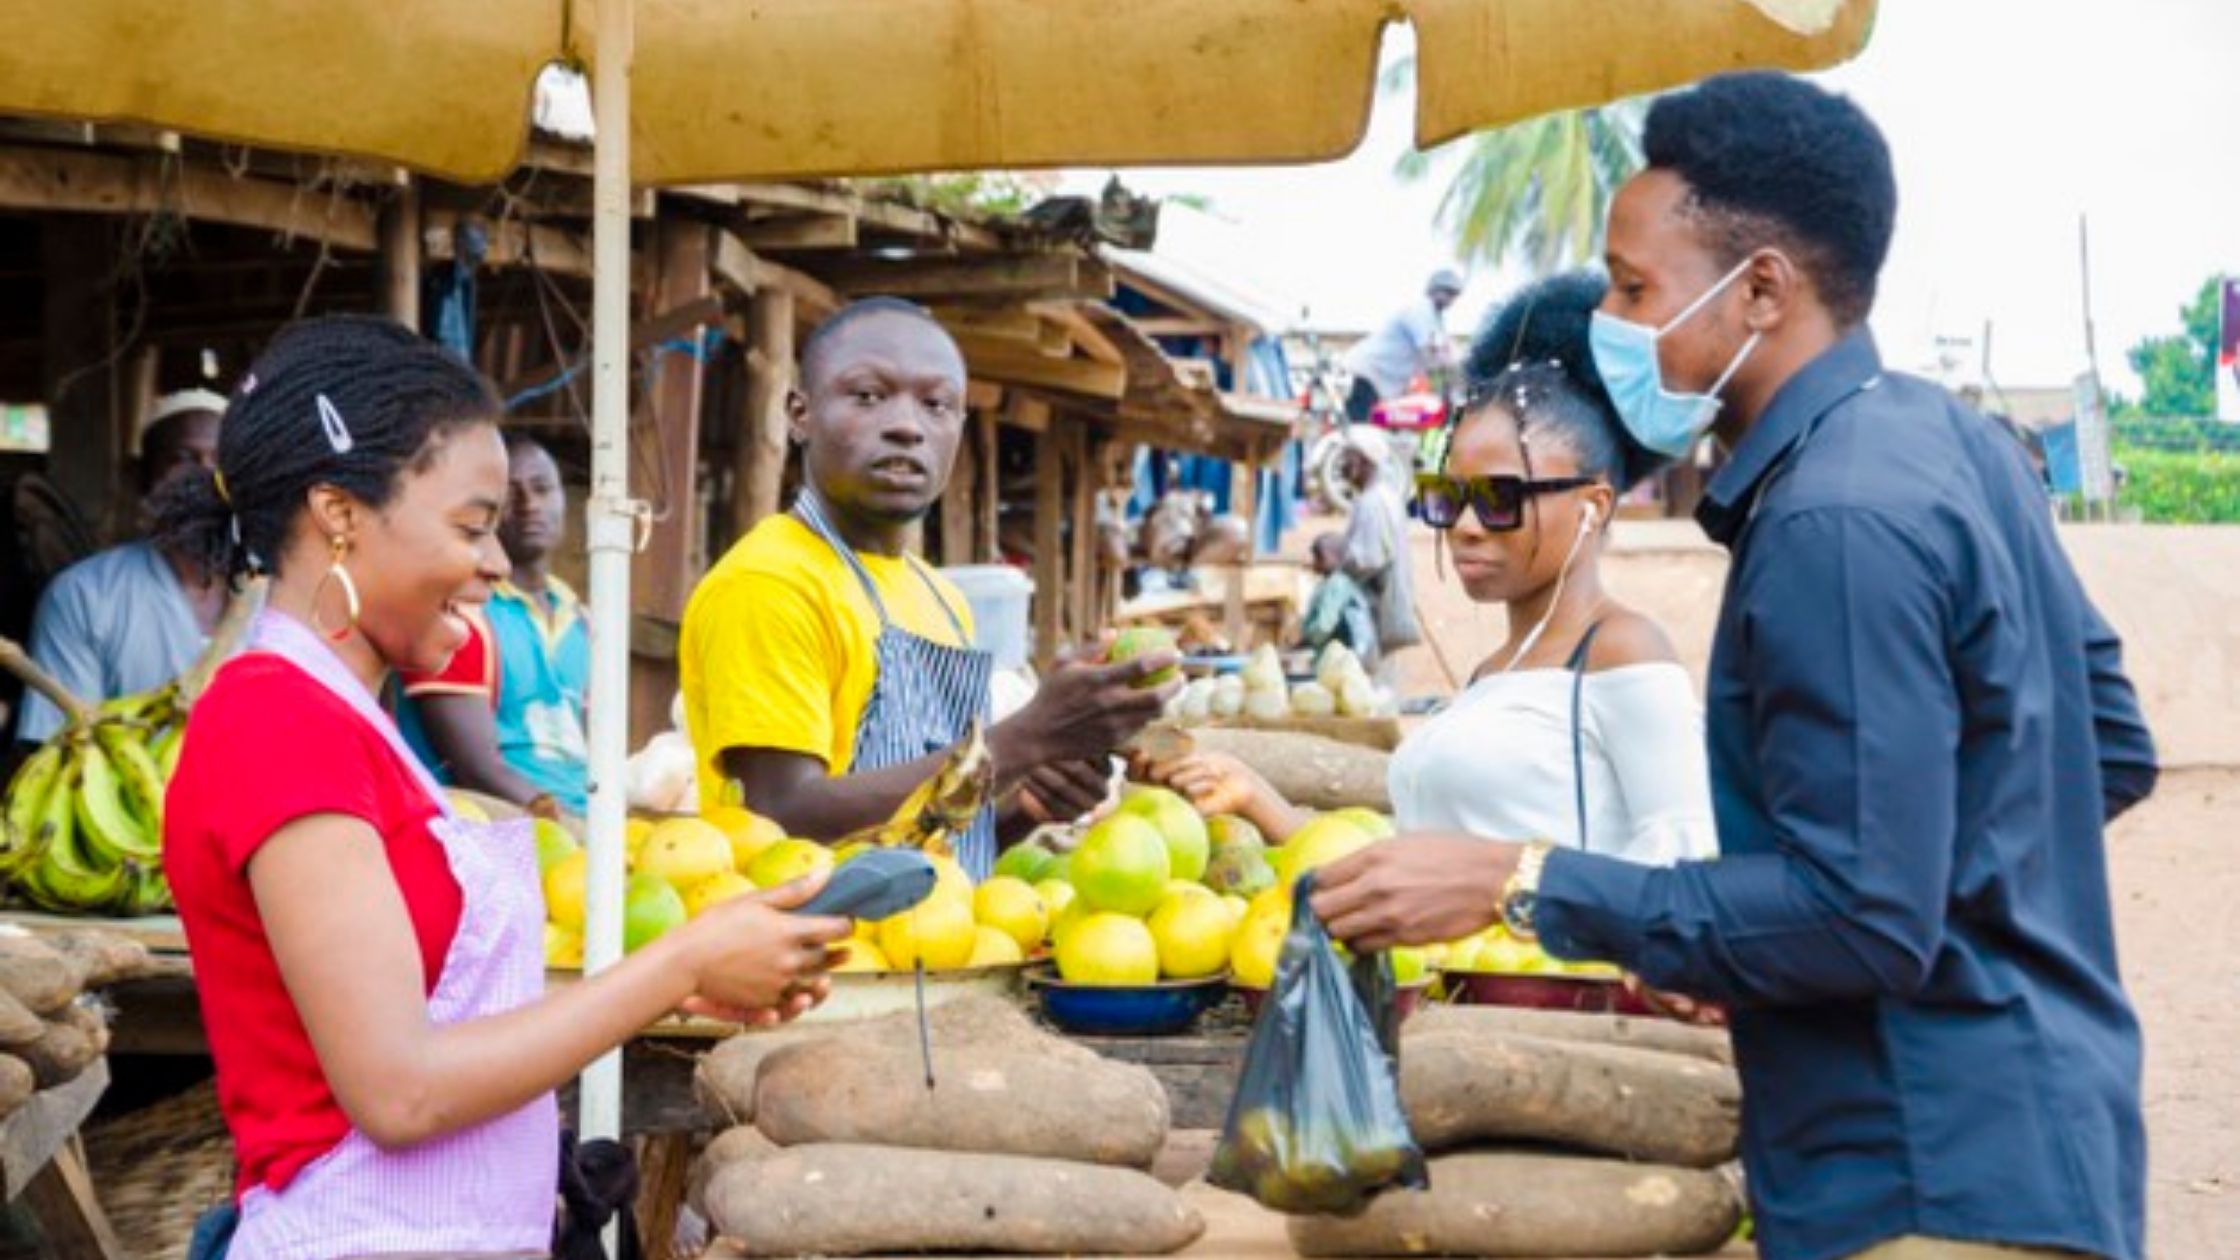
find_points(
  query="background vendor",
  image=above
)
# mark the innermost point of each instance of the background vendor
(506, 716)
(827, 671)
(135, 616)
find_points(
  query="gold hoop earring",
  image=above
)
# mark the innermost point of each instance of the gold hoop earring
(338, 573)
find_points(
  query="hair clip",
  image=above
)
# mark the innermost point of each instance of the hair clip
(338, 433)
(248, 384)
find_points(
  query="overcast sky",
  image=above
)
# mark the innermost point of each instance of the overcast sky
(2008, 119)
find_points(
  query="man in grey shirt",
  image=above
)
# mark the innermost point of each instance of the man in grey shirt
(132, 617)
(1412, 343)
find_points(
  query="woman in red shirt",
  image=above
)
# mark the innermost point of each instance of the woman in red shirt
(370, 966)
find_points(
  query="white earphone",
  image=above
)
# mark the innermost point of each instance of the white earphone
(1586, 521)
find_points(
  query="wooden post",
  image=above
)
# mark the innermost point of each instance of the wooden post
(762, 446)
(400, 258)
(1049, 564)
(1244, 496)
(1244, 486)
(1238, 346)
(1082, 579)
(86, 457)
(991, 490)
(959, 504)
(662, 575)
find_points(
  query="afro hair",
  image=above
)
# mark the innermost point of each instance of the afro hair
(1533, 356)
(1769, 155)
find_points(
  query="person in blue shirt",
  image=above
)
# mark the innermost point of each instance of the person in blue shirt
(506, 718)
(134, 617)
(1917, 726)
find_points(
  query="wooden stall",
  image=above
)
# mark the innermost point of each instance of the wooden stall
(135, 262)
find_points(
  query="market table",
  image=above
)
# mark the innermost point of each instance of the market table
(1239, 1229)
(158, 1014)
(52, 1209)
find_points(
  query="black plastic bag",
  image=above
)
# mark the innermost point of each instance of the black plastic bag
(1316, 1126)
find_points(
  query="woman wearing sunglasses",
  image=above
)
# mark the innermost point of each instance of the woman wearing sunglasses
(1581, 726)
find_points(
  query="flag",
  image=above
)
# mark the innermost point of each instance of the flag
(2228, 352)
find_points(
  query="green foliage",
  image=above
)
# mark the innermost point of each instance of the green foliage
(1539, 189)
(963, 194)
(2182, 487)
(2179, 435)
(2179, 371)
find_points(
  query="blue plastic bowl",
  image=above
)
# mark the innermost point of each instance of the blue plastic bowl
(1149, 1010)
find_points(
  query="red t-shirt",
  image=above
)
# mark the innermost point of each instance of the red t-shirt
(266, 745)
(473, 670)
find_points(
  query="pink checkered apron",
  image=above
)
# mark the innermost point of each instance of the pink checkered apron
(488, 1189)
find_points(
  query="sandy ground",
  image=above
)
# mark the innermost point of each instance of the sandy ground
(2176, 867)
(2175, 859)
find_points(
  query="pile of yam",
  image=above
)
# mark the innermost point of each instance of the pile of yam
(1023, 1142)
(50, 1030)
(1556, 1134)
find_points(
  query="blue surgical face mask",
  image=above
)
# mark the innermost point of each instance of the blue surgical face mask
(1625, 353)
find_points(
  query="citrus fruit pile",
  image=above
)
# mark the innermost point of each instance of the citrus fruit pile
(678, 867)
(1495, 952)
(1151, 892)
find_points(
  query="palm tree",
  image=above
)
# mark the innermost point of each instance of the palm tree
(1539, 189)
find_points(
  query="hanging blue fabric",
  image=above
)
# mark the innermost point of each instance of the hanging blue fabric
(448, 292)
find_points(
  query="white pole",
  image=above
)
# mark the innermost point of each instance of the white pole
(609, 533)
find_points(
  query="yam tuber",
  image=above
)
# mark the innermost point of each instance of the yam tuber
(1462, 1090)
(842, 1200)
(1515, 1204)
(989, 1099)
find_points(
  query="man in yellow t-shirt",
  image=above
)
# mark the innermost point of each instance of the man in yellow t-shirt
(826, 671)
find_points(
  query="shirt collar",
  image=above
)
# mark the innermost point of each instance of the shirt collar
(564, 599)
(1839, 372)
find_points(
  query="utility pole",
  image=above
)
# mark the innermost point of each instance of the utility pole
(2092, 426)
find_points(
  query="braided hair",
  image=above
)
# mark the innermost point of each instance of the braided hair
(348, 401)
(1532, 359)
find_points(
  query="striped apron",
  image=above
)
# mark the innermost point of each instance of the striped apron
(925, 696)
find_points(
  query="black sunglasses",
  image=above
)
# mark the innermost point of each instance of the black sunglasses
(1499, 500)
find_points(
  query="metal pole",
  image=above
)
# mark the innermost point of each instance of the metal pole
(2091, 358)
(610, 518)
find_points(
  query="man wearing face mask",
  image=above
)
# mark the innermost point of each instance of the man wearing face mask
(1917, 726)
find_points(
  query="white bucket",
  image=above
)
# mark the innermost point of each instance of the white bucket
(999, 595)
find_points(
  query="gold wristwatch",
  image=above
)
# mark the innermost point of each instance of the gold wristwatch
(1520, 897)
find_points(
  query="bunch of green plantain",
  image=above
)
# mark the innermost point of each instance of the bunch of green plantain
(82, 830)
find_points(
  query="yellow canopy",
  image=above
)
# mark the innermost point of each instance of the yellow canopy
(727, 89)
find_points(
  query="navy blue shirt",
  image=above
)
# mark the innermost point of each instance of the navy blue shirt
(1917, 726)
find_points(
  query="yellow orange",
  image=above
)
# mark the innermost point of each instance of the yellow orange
(788, 860)
(720, 887)
(563, 949)
(684, 851)
(862, 956)
(1011, 907)
(1192, 933)
(939, 931)
(563, 890)
(992, 947)
(749, 832)
(1109, 949)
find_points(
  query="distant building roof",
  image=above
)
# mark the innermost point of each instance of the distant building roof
(1201, 287)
